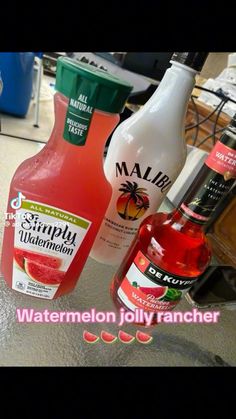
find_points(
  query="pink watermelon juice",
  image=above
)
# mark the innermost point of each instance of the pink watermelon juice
(65, 191)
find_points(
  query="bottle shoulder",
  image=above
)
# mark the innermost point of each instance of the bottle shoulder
(173, 250)
(150, 123)
(160, 226)
(147, 144)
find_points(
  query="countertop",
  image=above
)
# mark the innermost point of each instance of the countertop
(35, 344)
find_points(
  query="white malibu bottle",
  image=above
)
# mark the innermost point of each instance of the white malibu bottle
(145, 156)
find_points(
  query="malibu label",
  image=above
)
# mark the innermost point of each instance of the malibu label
(159, 179)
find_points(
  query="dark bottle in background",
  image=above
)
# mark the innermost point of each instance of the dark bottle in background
(222, 230)
(217, 286)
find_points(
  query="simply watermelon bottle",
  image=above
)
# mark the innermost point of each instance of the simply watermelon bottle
(59, 196)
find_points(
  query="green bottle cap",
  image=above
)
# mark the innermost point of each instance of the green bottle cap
(108, 92)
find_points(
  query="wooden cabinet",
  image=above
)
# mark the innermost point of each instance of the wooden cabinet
(222, 232)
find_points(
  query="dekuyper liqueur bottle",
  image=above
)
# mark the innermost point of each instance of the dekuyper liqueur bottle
(145, 156)
(170, 251)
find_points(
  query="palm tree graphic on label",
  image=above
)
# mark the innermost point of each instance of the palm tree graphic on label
(133, 202)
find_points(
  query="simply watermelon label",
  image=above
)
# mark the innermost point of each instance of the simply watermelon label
(46, 241)
(148, 287)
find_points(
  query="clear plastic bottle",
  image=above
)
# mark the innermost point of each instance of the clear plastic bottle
(60, 195)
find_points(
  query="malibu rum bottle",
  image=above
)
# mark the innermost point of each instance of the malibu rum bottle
(170, 251)
(145, 156)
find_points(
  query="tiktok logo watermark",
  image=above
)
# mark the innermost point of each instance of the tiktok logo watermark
(17, 202)
(15, 218)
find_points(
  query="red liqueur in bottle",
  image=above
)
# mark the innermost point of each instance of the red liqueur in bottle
(170, 251)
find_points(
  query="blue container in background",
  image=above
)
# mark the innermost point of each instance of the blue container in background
(16, 70)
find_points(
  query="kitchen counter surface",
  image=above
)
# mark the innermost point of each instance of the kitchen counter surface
(37, 344)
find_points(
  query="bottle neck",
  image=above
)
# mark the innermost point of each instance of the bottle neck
(170, 100)
(179, 221)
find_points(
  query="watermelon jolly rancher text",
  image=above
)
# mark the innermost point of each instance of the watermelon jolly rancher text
(29, 315)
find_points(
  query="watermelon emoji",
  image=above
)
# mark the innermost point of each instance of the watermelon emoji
(143, 337)
(157, 292)
(125, 337)
(43, 274)
(21, 254)
(90, 337)
(108, 337)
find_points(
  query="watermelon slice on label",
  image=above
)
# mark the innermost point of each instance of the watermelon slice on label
(157, 292)
(172, 295)
(125, 337)
(143, 337)
(21, 254)
(90, 337)
(43, 274)
(108, 337)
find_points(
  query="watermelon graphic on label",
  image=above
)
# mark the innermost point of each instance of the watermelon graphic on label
(43, 274)
(21, 254)
(172, 295)
(157, 292)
